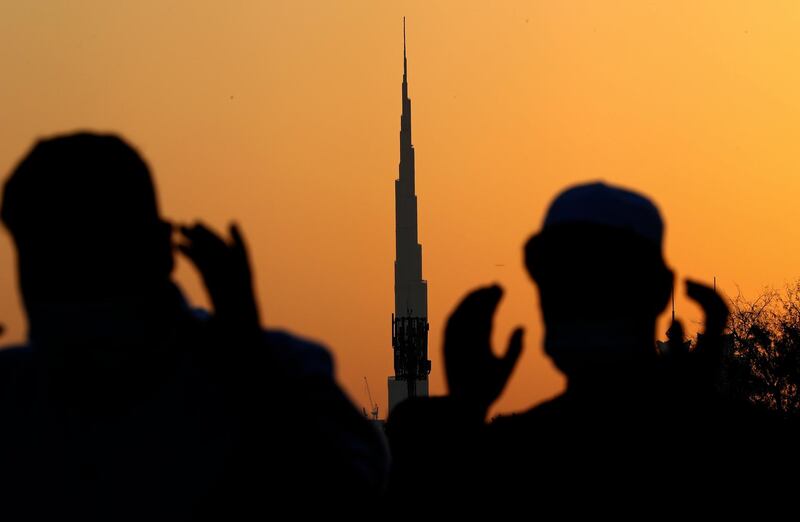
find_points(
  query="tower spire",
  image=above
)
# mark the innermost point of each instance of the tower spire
(405, 62)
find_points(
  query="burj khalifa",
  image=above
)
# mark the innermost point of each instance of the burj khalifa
(410, 318)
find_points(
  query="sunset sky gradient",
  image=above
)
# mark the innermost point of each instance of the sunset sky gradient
(285, 117)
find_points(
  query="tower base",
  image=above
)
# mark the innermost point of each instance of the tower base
(398, 391)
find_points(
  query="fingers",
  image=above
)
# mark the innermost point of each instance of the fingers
(479, 304)
(190, 252)
(710, 343)
(238, 244)
(515, 345)
(467, 338)
(223, 266)
(474, 315)
(201, 245)
(185, 250)
(713, 306)
(200, 235)
(236, 235)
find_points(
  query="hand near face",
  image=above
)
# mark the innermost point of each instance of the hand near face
(474, 374)
(225, 269)
(710, 343)
(698, 368)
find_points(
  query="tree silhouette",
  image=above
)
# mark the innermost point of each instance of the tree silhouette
(762, 356)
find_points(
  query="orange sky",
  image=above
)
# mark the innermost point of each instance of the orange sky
(285, 117)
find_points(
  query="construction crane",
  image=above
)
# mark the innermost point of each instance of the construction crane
(373, 407)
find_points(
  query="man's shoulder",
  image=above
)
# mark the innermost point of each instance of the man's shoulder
(294, 355)
(16, 366)
(543, 414)
(15, 355)
(299, 356)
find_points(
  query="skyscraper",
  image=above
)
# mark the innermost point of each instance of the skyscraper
(410, 319)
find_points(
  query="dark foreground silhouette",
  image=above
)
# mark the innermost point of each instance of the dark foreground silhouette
(128, 404)
(633, 425)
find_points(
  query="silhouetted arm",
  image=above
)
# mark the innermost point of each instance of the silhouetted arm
(447, 437)
(707, 354)
(297, 425)
(695, 371)
(475, 376)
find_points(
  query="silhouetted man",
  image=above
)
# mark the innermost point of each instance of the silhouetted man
(127, 404)
(626, 421)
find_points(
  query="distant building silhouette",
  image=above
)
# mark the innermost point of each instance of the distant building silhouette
(410, 319)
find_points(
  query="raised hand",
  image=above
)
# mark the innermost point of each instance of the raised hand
(708, 352)
(225, 269)
(474, 374)
(695, 371)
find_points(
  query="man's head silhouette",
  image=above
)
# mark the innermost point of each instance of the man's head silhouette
(83, 214)
(602, 280)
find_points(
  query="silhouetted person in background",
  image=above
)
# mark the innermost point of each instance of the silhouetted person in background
(626, 421)
(127, 404)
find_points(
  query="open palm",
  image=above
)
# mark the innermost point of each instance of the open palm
(474, 374)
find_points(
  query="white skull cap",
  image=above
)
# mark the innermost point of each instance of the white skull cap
(601, 204)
